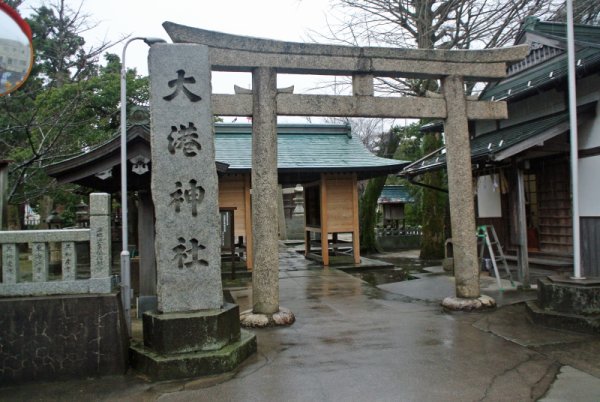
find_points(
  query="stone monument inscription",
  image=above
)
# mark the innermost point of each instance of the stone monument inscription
(184, 180)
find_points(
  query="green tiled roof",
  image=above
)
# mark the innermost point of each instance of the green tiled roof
(486, 146)
(302, 147)
(304, 152)
(395, 194)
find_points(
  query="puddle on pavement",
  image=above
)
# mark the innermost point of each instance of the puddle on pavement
(402, 270)
(376, 277)
(411, 264)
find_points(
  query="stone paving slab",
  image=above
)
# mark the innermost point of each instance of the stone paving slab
(512, 323)
(573, 385)
(581, 355)
(355, 342)
(434, 287)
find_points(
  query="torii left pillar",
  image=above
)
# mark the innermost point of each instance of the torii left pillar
(265, 275)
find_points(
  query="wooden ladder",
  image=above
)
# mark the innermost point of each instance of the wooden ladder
(490, 239)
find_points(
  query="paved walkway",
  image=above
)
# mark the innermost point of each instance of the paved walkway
(356, 342)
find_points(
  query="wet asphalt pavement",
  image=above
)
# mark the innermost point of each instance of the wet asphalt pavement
(356, 342)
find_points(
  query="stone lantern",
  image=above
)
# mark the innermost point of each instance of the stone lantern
(82, 215)
(54, 220)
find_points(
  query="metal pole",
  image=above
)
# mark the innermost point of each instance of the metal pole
(574, 144)
(125, 260)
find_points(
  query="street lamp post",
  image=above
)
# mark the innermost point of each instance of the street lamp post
(572, 85)
(125, 262)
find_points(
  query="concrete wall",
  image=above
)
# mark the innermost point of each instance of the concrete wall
(399, 242)
(61, 337)
(589, 191)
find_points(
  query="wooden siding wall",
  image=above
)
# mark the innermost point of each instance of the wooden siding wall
(232, 194)
(340, 208)
(590, 242)
(338, 211)
(554, 200)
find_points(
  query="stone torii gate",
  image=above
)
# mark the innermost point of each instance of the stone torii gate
(266, 58)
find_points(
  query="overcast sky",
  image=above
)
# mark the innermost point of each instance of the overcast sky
(288, 20)
(11, 30)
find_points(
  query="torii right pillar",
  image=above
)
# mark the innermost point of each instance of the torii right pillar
(460, 190)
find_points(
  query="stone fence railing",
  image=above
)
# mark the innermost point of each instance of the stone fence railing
(98, 236)
(411, 231)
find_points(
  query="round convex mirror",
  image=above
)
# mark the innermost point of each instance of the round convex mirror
(16, 50)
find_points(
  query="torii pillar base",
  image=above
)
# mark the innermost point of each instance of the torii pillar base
(463, 304)
(282, 318)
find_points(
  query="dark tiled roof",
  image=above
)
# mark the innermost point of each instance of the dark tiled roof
(583, 33)
(553, 67)
(531, 76)
(392, 194)
(487, 146)
(500, 140)
(588, 60)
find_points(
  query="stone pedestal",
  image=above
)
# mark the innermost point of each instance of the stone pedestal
(564, 303)
(182, 345)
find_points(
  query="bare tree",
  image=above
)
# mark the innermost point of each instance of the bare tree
(371, 131)
(431, 24)
(584, 12)
(427, 24)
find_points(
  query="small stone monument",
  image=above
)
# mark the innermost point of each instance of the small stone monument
(193, 332)
(296, 222)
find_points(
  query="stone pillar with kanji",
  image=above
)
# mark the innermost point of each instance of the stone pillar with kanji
(192, 321)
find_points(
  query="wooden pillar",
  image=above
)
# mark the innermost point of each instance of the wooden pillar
(355, 225)
(146, 245)
(248, 223)
(324, 233)
(522, 254)
(460, 189)
(265, 277)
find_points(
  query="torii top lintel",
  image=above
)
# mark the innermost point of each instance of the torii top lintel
(243, 53)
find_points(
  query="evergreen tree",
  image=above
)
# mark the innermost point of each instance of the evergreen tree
(69, 103)
(368, 201)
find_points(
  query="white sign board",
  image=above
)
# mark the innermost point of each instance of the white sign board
(488, 196)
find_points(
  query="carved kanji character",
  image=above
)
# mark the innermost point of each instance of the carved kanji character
(178, 84)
